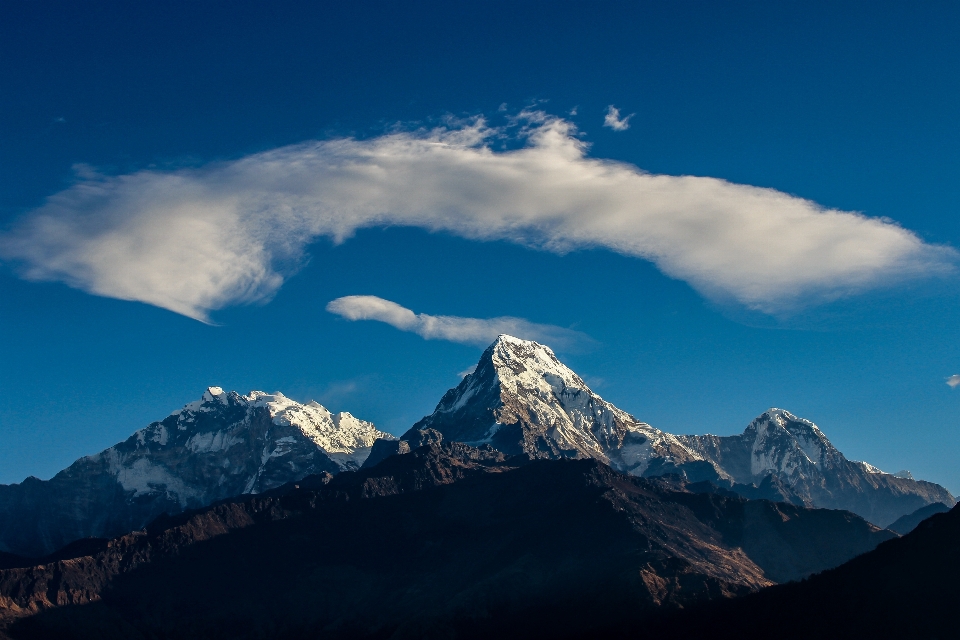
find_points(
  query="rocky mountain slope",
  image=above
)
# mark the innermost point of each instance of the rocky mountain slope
(446, 541)
(906, 524)
(222, 445)
(905, 588)
(522, 399)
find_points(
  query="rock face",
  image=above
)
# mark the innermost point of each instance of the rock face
(521, 399)
(446, 541)
(221, 446)
(796, 452)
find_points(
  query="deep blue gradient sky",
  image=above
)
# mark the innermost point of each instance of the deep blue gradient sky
(853, 105)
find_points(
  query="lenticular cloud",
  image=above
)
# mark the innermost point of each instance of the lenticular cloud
(199, 239)
(478, 331)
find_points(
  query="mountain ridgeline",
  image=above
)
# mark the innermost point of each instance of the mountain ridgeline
(524, 505)
(522, 399)
(221, 446)
(905, 588)
(445, 541)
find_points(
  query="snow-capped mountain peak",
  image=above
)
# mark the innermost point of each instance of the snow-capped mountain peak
(211, 394)
(784, 443)
(339, 433)
(524, 363)
(222, 445)
(521, 399)
(797, 453)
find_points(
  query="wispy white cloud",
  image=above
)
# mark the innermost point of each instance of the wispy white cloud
(614, 121)
(954, 380)
(195, 240)
(478, 331)
(335, 392)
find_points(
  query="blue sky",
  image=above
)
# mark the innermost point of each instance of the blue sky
(248, 164)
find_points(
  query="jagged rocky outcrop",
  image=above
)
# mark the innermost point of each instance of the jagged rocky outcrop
(522, 399)
(446, 541)
(223, 445)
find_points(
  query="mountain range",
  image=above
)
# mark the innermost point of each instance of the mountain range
(522, 399)
(446, 541)
(519, 400)
(525, 504)
(220, 446)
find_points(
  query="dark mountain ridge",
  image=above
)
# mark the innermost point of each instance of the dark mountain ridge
(905, 588)
(911, 521)
(447, 539)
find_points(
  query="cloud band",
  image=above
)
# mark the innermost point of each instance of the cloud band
(198, 239)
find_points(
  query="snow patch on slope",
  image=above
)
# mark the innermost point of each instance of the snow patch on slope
(212, 441)
(142, 476)
(334, 433)
(869, 468)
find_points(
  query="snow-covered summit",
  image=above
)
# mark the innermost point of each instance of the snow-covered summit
(255, 441)
(339, 433)
(869, 468)
(524, 364)
(222, 445)
(211, 394)
(786, 444)
(521, 398)
(796, 452)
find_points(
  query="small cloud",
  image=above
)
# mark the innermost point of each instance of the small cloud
(60, 119)
(502, 107)
(954, 380)
(467, 371)
(86, 172)
(573, 111)
(478, 331)
(595, 382)
(338, 391)
(614, 121)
